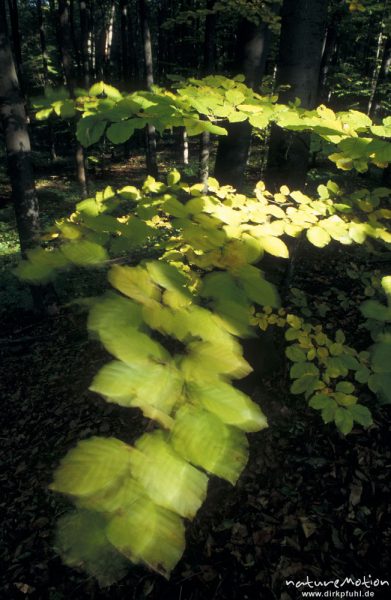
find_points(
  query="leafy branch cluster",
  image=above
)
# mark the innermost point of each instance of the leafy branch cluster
(204, 105)
(178, 319)
(178, 315)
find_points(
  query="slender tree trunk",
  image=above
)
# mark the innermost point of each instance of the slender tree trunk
(209, 58)
(42, 39)
(209, 67)
(75, 46)
(163, 40)
(150, 132)
(383, 77)
(302, 33)
(124, 40)
(233, 150)
(109, 39)
(182, 142)
(133, 70)
(329, 52)
(66, 55)
(17, 141)
(15, 29)
(84, 30)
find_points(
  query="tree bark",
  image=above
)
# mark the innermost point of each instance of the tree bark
(209, 67)
(75, 45)
(329, 53)
(124, 40)
(17, 141)
(302, 33)
(109, 39)
(42, 39)
(383, 77)
(69, 78)
(15, 29)
(84, 30)
(150, 132)
(233, 150)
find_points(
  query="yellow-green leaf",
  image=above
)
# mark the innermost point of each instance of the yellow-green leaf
(94, 465)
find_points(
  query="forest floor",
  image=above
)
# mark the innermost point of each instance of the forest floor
(311, 502)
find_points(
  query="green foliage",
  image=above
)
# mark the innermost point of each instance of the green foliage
(105, 110)
(174, 319)
(202, 288)
(378, 322)
(320, 368)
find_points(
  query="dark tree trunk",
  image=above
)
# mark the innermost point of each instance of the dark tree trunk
(384, 77)
(15, 29)
(133, 64)
(67, 64)
(302, 33)
(17, 142)
(75, 45)
(108, 36)
(329, 52)
(84, 31)
(233, 150)
(209, 58)
(150, 132)
(42, 39)
(65, 43)
(124, 40)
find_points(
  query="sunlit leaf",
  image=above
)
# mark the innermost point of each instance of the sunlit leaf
(228, 404)
(275, 246)
(134, 282)
(84, 253)
(318, 236)
(93, 465)
(167, 478)
(209, 360)
(204, 440)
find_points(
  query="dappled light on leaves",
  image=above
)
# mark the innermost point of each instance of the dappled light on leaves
(175, 319)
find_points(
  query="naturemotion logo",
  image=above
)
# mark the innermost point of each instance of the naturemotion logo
(349, 587)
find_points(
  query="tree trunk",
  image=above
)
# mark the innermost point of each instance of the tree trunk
(209, 58)
(133, 64)
(150, 132)
(17, 141)
(67, 64)
(42, 39)
(84, 30)
(302, 33)
(124, 40)
(65, 43)
(15, 29)
(209, 67)
(382, 78)
(183, 145)
(329, 53)
(233, 150)
(75, 46)
(109, 40)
